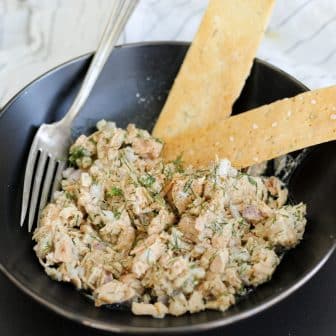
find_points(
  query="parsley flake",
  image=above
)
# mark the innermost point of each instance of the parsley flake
(252, 181)
(114, 191)
(147, 180)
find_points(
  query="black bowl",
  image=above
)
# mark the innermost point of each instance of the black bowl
(133, 88)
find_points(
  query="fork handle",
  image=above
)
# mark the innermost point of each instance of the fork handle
(121, 11)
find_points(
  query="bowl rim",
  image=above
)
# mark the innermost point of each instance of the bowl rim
(115, 327)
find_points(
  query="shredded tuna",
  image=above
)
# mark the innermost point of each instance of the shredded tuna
(166, 239)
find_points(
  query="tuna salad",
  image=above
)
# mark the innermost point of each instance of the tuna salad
(129, 228)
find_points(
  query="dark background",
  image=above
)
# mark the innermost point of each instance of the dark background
(308, 312)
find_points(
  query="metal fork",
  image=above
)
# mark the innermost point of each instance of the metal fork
(52, 141)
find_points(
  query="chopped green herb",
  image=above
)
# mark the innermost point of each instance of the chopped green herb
(242, 291)
(242, 222)
(176, 243)
(187, 185)
(141, 134)
(158, 140)
(147, 180)
(195, 282)
(215, 174)
(243, 268)
(116, 214)
(159, 199)
(75, 154)
(187, 283)
(70, 196)
(46, 247)
(252, 181)
(217, 226)
(168, 171)
(171, 261)
(298, 215)
(114, 191)
(178, 162)
(192, 266)
(213, 256)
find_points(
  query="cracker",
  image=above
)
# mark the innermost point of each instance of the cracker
(263, 133)
(216, 66)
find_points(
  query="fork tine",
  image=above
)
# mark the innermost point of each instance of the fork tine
(46, 186)
(58, 177)
(36, 188)
(28, 182)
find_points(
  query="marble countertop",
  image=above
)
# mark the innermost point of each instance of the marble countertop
(36, 35)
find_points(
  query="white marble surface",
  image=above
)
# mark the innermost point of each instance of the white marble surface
(36, 35)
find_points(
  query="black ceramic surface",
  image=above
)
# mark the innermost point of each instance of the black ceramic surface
(133, 88)
(310, 311)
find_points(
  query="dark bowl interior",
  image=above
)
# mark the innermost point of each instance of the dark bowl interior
(133, 88)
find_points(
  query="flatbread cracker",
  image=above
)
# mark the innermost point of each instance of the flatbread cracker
(263, 133)
(216, 66)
